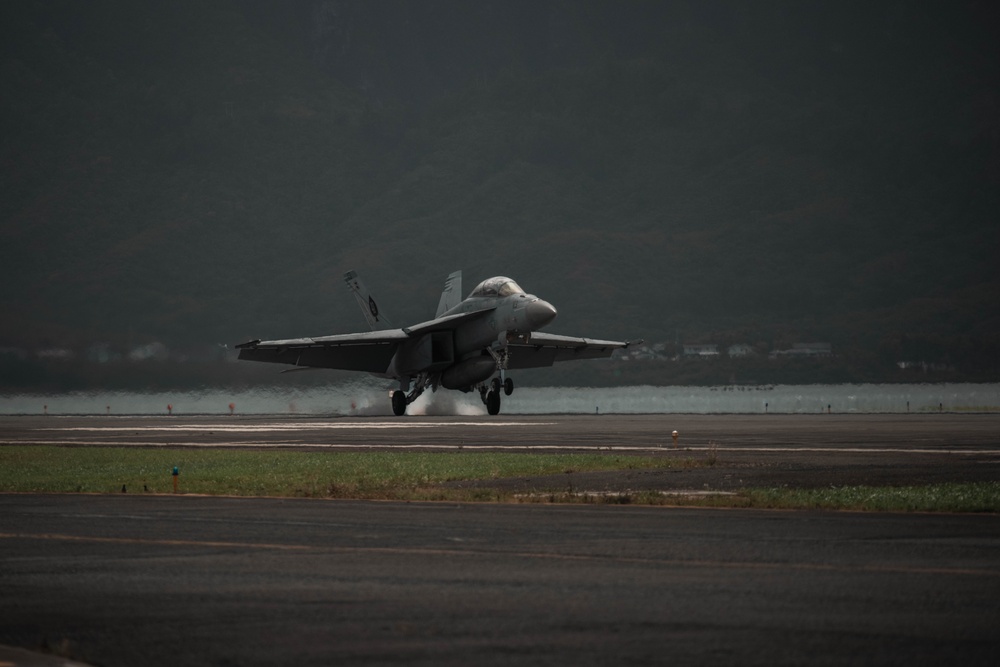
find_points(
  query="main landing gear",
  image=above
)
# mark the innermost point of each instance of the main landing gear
(398, 403)
(491, 394)
(400, 399)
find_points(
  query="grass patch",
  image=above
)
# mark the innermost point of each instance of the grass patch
(371, 475)
(420, 476)
(950, 497)
(953, 497)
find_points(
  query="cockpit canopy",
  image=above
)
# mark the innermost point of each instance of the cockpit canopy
(499, 286)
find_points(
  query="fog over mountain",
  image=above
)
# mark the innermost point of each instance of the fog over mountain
(194, 173)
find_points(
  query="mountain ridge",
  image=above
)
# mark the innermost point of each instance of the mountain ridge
(206, 174)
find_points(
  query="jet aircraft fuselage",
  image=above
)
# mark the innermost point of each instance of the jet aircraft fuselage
(494, 329)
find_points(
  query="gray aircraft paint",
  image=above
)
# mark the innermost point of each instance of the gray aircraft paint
(493, 330)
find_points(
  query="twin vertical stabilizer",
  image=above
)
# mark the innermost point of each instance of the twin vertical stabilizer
(450, 297)
(452, 294)
(369, 308)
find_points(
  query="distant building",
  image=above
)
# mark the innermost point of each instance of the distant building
(701, 350)
(56, 354)
(739, 350)
(102, 353)
(155, 351)
(805, 350)
(645, 352)
(924, 366)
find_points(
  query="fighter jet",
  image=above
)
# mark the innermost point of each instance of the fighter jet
(493, 330)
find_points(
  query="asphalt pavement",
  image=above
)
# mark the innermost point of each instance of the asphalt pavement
(166, 580)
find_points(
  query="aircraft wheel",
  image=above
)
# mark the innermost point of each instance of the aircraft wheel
(398, 403)
(495, 384)
(482, 394)
(493, 402)
(508, 386)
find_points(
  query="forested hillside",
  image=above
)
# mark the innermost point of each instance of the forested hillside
(204, 172)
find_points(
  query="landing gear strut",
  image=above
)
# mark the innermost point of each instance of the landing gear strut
(501, 356)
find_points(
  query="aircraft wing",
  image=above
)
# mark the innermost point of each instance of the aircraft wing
(370, 351)
(444, 323)
(544, 349)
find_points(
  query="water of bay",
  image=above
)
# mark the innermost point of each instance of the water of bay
(371, 397)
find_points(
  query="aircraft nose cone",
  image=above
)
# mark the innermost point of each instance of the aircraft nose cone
(540, 313)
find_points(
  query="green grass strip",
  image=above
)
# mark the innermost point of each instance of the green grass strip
(381, 475)
(419, 476)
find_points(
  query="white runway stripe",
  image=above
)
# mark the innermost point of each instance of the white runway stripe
(265, 428)
(570, 447)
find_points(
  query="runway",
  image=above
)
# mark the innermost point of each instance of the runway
(223, 581)
(160, 580)
(956, 433)
(749, 450)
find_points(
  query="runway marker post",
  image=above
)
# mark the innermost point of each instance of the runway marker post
(177, 473)
(675, 435)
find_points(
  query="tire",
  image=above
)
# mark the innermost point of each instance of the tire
(398, 403)
(493, 402)
(508, 386)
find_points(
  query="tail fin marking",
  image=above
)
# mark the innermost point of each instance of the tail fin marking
(369, 308)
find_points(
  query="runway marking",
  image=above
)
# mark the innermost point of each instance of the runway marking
(290, 444)
(304, 445)
(137, 540)
(847, 450)
(430, 551)
(333, 426)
